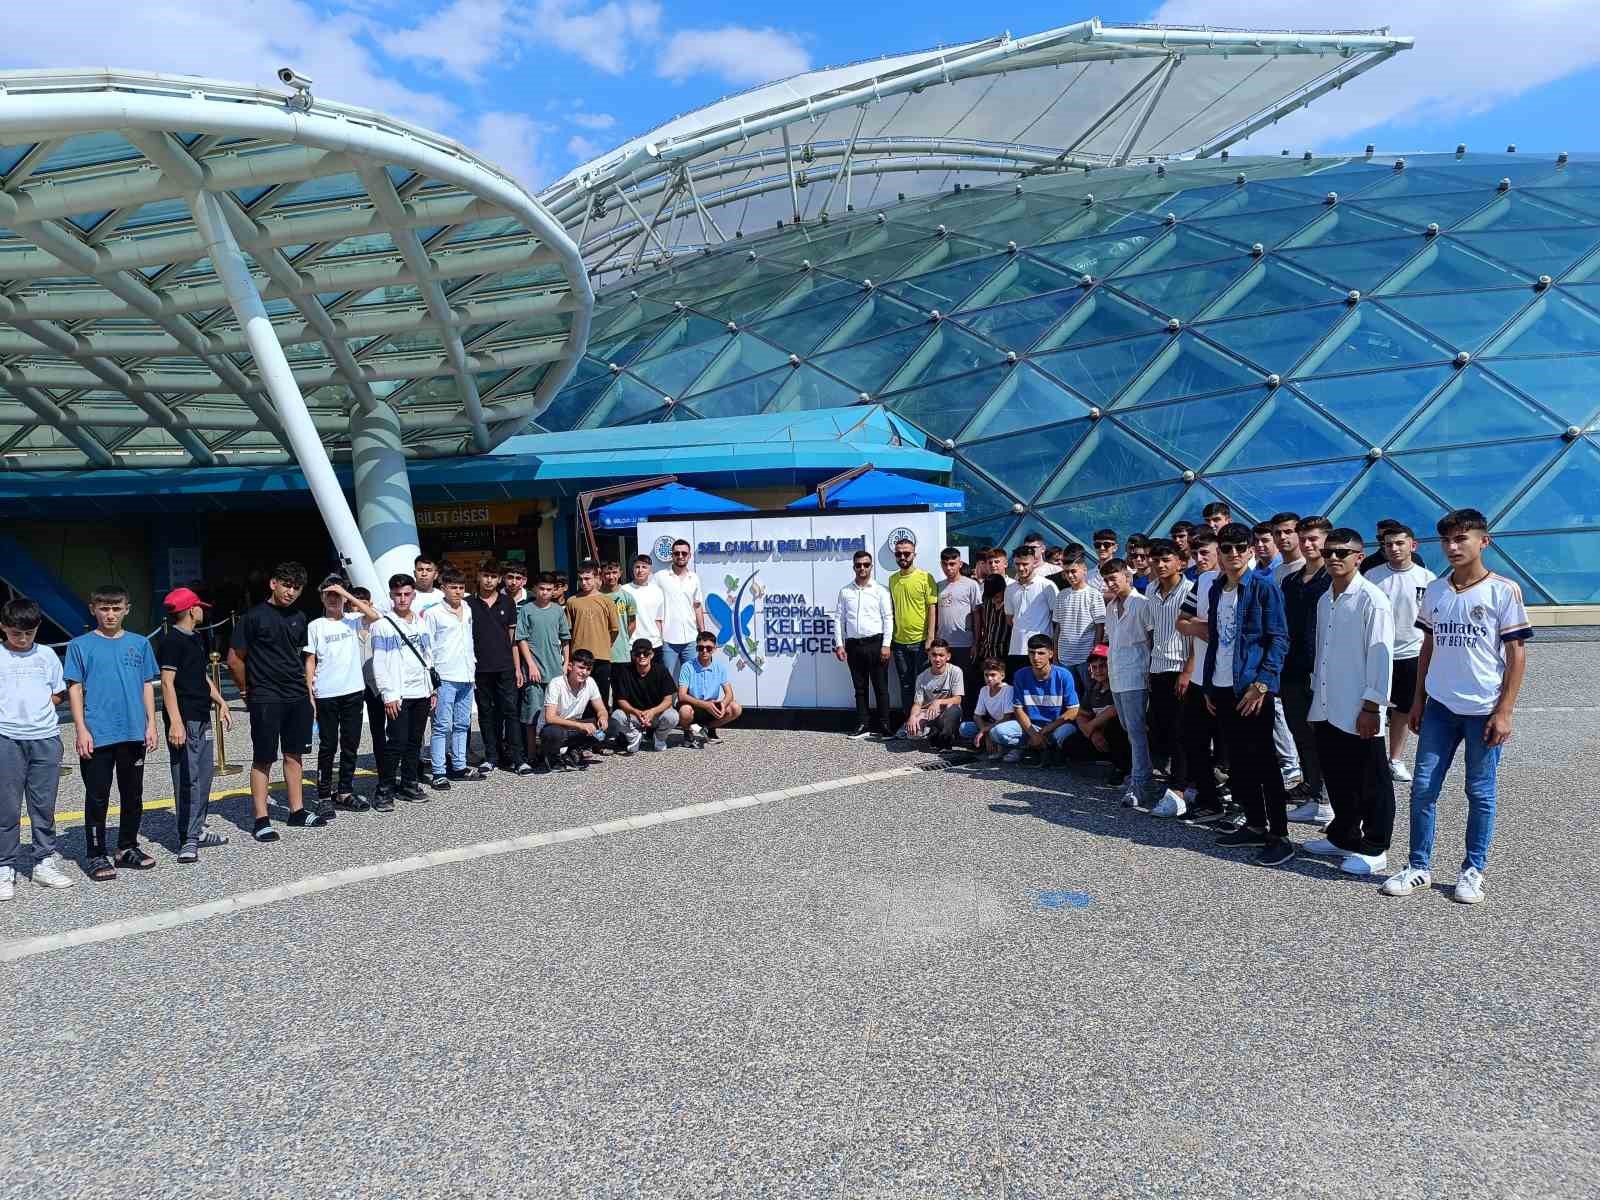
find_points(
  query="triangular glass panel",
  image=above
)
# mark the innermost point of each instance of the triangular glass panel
(1498, 561)
(11, 155)
(1444, 266)
(624, 347)
(1108, 460)
(992, 532)
(1264, 228)
(1306, 489)
(1135, 510)
(1565, 497)
(881, 264)
(1277, 341)
(1247, 201)
(949, 351)
(1584, 201)
(1102, 317)
(1098, 256)
(673, 373)
(808, 388)
(626, 398)
(1537, 252)
(1283, 431)
(1464, 320)
(1189, 505)
(802, 331)
(742, 399)
(1018, 279)
(814, 289)
(1568, 387)
(1183, 247)
(1443, 209)
(1383, 492)
(880, 314)
(1567, 568)
(688, 330)
(1518, 210)
(945, 289)
(1378, 403)
(1474, 407)
(1192, 430)
(867, 366)
(86, 150)
(1369, 338)
(1340, 224)
(1485, 477)
(1183, 293)
(1347, 181)
(1552, 324)
(1052, 224)
(1017, 325)
(1270, 285)
(982, 496)
(1414, 182)
(86, 221)
(1187, 366)
(748, 303)
(746, 355)
(1026, 460)
(943, 408)
(945, 252)
(1026, 400)
(1098, 372)
(836, 245)
(1358, 265)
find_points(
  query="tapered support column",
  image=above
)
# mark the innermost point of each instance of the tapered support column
(280, 383)
(383, 493)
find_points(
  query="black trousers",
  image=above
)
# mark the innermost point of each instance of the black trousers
(124, 760)
(944, 727)
(377, 719)
(402, 737)
(1253, 763)
(910, 659)
(601, 674)
(553, 739)
(1118, 751)
(1199, 729)
(865, 659)
(1360, 788)
(1165, 724)
(338, 728)
(1297, 709)
(498, 718)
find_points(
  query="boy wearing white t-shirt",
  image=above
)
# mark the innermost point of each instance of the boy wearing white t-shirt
(335, 680)
(1470, 670)
(1403, 580)
(574, 716)
(648, 599)
(995, 703)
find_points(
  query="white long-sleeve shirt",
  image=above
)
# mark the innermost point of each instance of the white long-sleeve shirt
(1355, 655)
(454, 656)
(395, 669)
(864, 611)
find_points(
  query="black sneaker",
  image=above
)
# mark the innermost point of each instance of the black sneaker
(325, 810)
(1203, 814)
(523, 768)
(263, 831)
(463, 774)
(1116, 778)
(439, 783)
(711, 734)
(412, 793)
(305, 818)
(1230, 821)
(1243, 836)
(861, 733)
(382, 801)
(1275, 853)
(351, 802)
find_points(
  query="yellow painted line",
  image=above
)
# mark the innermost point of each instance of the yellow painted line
(227, 793)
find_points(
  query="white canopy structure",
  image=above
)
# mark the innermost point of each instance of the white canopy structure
(1079, 97)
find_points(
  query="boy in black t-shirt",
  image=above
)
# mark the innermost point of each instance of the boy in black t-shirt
(187, 694)
(646, 700)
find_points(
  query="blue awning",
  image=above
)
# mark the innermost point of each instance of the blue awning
(668, 500)
(885, 489)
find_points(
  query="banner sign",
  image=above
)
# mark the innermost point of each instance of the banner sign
(772, 588)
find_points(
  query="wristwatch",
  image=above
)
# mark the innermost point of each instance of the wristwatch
(1259, 688)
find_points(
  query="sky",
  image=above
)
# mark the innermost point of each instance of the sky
(537, 86)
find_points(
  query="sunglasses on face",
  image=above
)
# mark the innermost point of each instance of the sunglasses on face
(1341, 552)
(1234, 547)
(1104, 545)
(862, 566)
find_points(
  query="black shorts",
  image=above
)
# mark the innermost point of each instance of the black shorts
(1403, 685)
(279, 723)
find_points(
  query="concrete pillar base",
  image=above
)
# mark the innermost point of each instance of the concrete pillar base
(383, 493)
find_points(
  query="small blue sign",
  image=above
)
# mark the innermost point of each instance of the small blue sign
(1060, 900)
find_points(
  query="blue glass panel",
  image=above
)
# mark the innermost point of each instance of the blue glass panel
(625, 346)
(1098, 256)
(1187, 366)
(1368, 338)
(949, 351)
(742, 399)
(1568, 387)
(879, 265)
(1020, 278)
(945, 289)
(1192, 430)
(801, 331)
(880, 314)
(1303, 489)
(1567, 567)
(1584, 201)
(1136, 510)
(1418, 212)
(1343, 224)
(838, 245)
(1026, 399)
(1347, 181)
(688, 330)
(1502, 565)
(1463, 320)
(808, 388)
(1520, 210)
(996, 531)
(86, 150)
(672, 373)
(1056, 223)
(1017, 325)
(1283, 431)
(1482, 477)
(1414, 182)
(1108, 460)
(1102, 317)
(1267, 228)
(1552, 324)
(1183, 247)
(747, 303)
(1272, 284)
(1444, 266)
(1566, 496)
(1184, 293)
(1376, 404)
(11, 155)
(869, 365)
(626, 398)
(943, 408)
(1537, 251)
(1188, 507)
(1249, 200)
(1278, 341)
(983, 498)
(945, 252)
(345, 185)
(1098, 372)
(567, 409)
(1191, 199)
(1359, 265)
(1026, 460)
(815, 289)
(1475, 408)
(746, 355)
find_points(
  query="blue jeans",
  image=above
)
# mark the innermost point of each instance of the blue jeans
(451, 721)
(1131, 711)
(1009, 734)
(674, 655)
(1442, 731)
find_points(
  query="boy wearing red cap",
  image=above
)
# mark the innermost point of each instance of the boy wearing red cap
(187, 694)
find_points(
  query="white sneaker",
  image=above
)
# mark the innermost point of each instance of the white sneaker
(48, 874)
(697, 735)
(1170, 805)
(1364, 864)
(1311, 813)
(8, 887)
(1322, 845)
(1469, 888)
(1398, 771)
(1406, 882)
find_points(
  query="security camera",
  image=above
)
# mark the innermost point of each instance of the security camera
(293, 78)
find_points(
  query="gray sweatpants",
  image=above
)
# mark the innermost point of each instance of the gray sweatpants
(29, 768)
(192, 770)
(632, 732)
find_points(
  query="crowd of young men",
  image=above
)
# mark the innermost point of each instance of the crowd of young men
(1241, 678)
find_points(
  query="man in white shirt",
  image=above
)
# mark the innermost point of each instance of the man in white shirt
(1351, 681)
(1130, 629)
(401, 662)
(1404, 580)
(865, 617)
(683, 612)
(649, 601)
(1030, 603)
(456, 660)
(426, 572)
(1169, 674)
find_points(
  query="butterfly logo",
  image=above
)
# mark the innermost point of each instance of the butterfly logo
(722, 614)
(733, 616)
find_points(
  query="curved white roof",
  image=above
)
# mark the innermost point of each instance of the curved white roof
(394, 265)
(1082, 96)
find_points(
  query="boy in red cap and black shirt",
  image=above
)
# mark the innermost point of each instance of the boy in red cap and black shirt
(187, 694)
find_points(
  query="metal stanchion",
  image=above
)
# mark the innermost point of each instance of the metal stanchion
(222, 766)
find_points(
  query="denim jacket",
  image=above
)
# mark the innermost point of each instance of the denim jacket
(1263, 636)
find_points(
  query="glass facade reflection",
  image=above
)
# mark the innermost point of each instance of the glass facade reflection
(1358, 337)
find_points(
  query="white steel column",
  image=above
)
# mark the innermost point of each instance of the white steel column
(280, 383)
(383, 492)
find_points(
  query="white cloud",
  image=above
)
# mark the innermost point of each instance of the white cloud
(462, 38)
(602, 37)
(581, 148)
(589, 120)
(1469, 56)
(514, 142)
(737, 54)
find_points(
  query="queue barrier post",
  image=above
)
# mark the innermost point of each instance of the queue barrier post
(222, 766)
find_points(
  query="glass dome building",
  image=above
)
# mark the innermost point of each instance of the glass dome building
(1363, 337)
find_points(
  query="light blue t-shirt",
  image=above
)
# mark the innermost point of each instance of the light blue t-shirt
(113, 672)
(28, 683)
(704, 683)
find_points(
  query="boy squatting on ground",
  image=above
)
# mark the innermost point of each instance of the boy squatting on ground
(31, 685)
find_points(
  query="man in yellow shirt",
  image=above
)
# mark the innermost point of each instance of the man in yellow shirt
(915, 596)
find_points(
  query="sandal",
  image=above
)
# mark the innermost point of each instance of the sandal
(134, 859)
(100, 869)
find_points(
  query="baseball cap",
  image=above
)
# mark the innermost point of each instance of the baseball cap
(182, 600)
(1100, 651)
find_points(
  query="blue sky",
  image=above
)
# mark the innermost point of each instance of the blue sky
(537, 85)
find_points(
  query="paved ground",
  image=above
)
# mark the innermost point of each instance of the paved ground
(940, 984)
